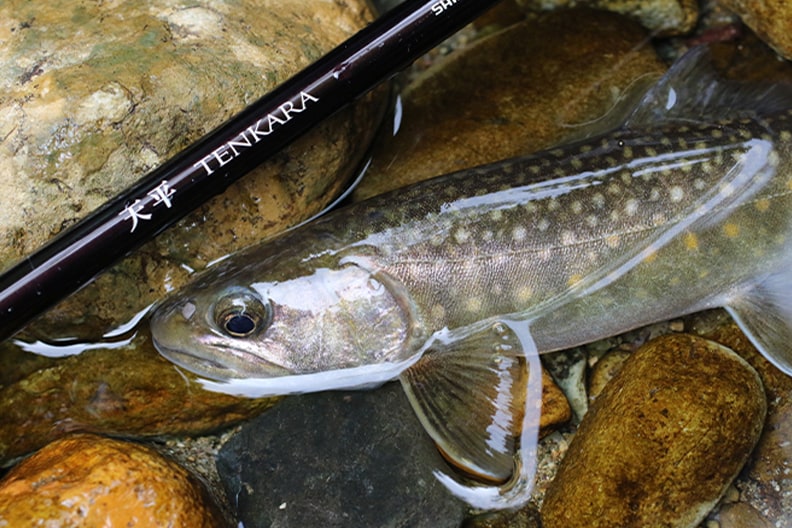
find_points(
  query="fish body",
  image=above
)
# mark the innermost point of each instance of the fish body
(460, 280)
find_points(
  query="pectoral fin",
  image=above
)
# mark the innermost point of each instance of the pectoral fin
(477, 393)
(764, 312)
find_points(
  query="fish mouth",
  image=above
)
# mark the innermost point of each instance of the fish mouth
(219, 361)
(197, 364)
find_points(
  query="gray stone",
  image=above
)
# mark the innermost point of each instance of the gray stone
(338, 459)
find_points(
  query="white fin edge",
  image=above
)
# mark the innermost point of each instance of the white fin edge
(516, 491)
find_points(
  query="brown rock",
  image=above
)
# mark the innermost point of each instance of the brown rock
(87, 480)
(555, 407)
(662, 442)
(512, 93)
(95, 95)
(662, 17)
(127, 392)
(604, 370)
(770, 19)
(768, 480)
(741, 515)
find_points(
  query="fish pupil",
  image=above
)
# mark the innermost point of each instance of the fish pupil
(239, 324)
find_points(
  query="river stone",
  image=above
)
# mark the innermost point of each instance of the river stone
(512, 93)
(662, 17)
(766, 484)
(663, 440)
(94, 95)
(131, 391)
(338, 459)
(770, 19)
(87, 480)
(604, 371)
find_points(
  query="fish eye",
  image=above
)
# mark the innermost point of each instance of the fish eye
(242, 315)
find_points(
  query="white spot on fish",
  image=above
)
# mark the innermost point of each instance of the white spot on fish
(519, 233)
(654, 194)
(542, 225)
(631, 207)
(473, 304)
(677, 193)
(461, 236)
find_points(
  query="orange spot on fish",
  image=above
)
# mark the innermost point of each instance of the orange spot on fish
(731, 230)
(691, 241)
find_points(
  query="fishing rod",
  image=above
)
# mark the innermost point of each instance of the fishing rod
(206, 168)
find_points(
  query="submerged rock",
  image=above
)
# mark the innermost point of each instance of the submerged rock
(766, 484)
(131, 391)
(87, 480)
(660, 445)
(512, 93)
(338, 459)
(663, 17)
(770, 19)
(362, 459)
(94, 95)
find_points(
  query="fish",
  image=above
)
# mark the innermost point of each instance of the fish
(456, 285)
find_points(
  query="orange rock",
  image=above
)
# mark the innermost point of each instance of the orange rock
(88, 480)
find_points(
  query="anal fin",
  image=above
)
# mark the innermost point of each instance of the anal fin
(477, 392)
(763, 310)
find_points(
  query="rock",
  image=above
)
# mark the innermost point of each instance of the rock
(95, 95)
(604, 370)
(87, 480)
(553, 75)
(766, 484)
(662, 17)
(742, 515)
(662, 442)
(338, 459)
(770, 19)
(131, 392)
(568, 370)
(556, 410)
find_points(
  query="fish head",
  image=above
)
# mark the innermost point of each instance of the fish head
(245, 322)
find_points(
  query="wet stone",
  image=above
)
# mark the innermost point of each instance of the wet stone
(338, 459)
(554, 75)
(663, 17)
(766, 484)
(132, 392)
(604, 370)
(770, 19)
(88, 480)
(556, 410)
(659, 446)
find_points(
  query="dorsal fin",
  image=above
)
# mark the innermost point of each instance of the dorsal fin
(691, 90)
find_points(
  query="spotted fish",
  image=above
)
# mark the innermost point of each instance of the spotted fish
(455, 284)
